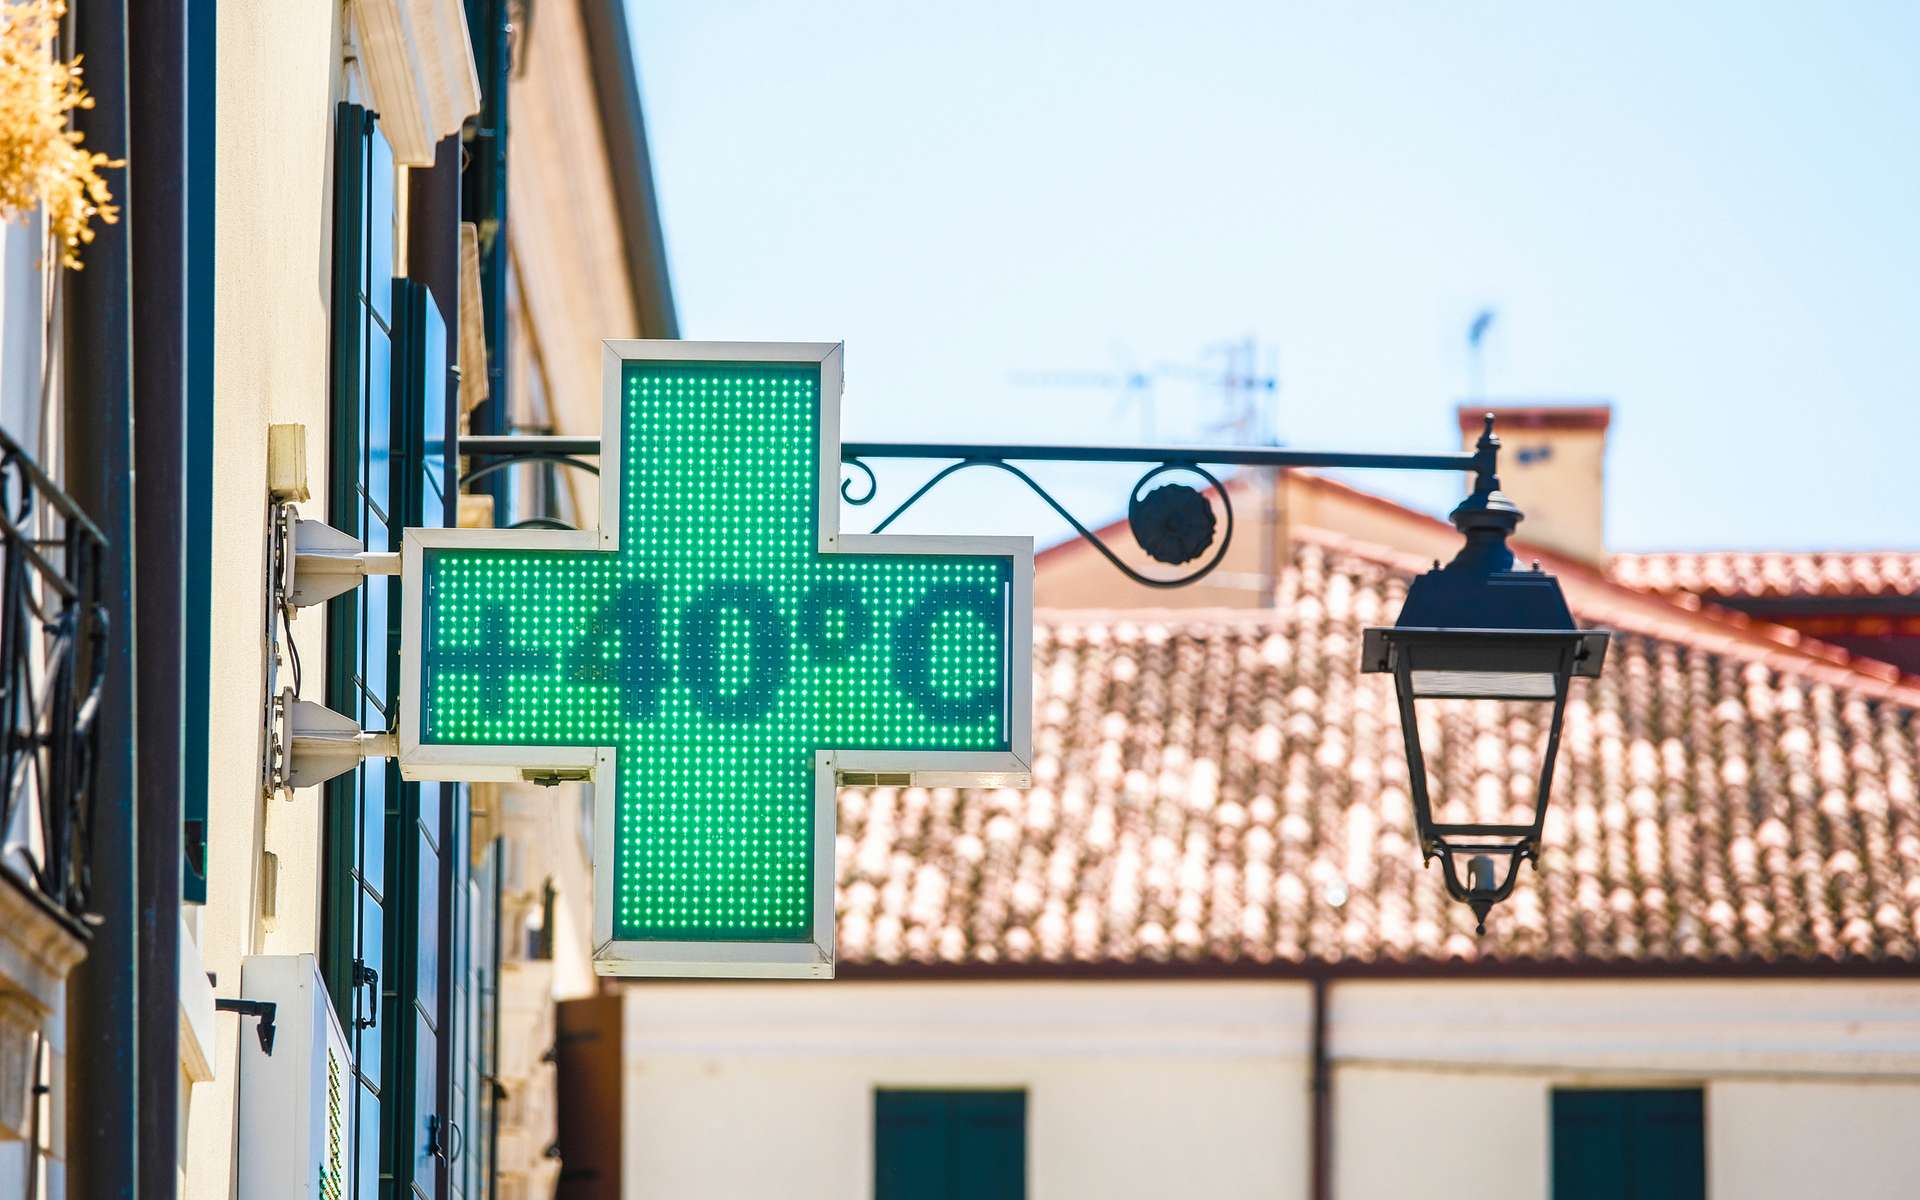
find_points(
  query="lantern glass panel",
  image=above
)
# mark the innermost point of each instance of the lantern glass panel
(1492, 685)
(1487, 666)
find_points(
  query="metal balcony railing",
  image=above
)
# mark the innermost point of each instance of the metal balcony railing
(53, 634)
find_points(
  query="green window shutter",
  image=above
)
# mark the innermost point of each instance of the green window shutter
(355, 904)
(1629, 1144)
(197, 613)
(963, 1145)
(419, 1137)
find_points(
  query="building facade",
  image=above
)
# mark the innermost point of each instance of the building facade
(458, 209)
(234, 962)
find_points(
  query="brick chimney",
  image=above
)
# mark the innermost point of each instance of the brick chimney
(1553, 464)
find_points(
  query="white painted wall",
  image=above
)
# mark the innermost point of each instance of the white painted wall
(1813, 1141)
(1132, 1091)
(1423, 1133)
(279, 74)
(1811, 1088)
(1201, 1089)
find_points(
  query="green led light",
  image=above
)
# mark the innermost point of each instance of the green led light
(717, 650)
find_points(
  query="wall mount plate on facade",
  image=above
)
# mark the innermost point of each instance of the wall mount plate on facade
(716, 656)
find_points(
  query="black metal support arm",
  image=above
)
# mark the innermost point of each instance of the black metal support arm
(1174, 523)
(1222, 456)
(265, 1010)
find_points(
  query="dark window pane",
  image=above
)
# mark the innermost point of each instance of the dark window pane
(1667, 1134)
(1629, 1144)
(950, 1145)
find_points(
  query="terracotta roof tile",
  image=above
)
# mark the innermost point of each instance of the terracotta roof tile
(1772, 574)
(1216, 787)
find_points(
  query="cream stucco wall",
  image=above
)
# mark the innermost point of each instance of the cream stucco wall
(1557, 475)
(1133, 1091)
(1771, 1138)
(1804, 1081)
(279, 78)
(1201, 1088)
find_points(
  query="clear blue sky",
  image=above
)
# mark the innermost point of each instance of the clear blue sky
(1708, 214)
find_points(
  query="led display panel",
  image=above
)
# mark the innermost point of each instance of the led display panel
(715, 656)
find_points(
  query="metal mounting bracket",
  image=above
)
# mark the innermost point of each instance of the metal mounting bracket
(265, 1010)
(326, 563)
(312, 743)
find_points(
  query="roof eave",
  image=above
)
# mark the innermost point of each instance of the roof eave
(616, 85)
(1439, 969)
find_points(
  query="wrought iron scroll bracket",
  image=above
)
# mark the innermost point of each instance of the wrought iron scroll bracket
(1175, 525)
(1087, 535)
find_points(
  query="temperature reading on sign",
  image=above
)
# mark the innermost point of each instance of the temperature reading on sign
(724, 641)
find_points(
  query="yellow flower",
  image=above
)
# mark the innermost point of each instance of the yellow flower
(42, 162)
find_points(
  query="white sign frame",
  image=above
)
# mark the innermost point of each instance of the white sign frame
(719, 959)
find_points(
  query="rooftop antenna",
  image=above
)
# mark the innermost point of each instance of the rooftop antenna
(1476, 356)
(1132, 385)
(1247, 392)
(1248, 395)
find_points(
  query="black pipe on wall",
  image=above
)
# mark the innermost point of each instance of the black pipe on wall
(1320, 1116)
(103, 1049)
(157, 166)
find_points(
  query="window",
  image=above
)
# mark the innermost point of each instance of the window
(949, 1145)
(357, 910)
(197, 611)
(1619, 1144)
(391, 903)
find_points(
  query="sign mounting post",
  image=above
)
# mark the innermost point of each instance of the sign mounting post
(716, 657)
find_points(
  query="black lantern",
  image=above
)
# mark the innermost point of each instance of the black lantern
(1478, 629)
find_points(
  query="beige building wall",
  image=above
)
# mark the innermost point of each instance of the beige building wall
(1456, 1078)
(547, 835)
(1816, 1139)
(1133, 1090)
(279, 78)
(1202, 1088)
(569, 290)
(283, 69)
(1553, 465)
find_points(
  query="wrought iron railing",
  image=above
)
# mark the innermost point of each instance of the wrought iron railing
(53, 641)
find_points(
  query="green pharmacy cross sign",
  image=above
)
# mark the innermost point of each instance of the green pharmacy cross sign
(717, 657)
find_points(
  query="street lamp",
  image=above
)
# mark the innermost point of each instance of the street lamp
(1476, 629)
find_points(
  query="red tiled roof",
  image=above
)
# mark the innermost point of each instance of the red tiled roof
(1771, 573)
(1222, 788)
(1604, 599)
